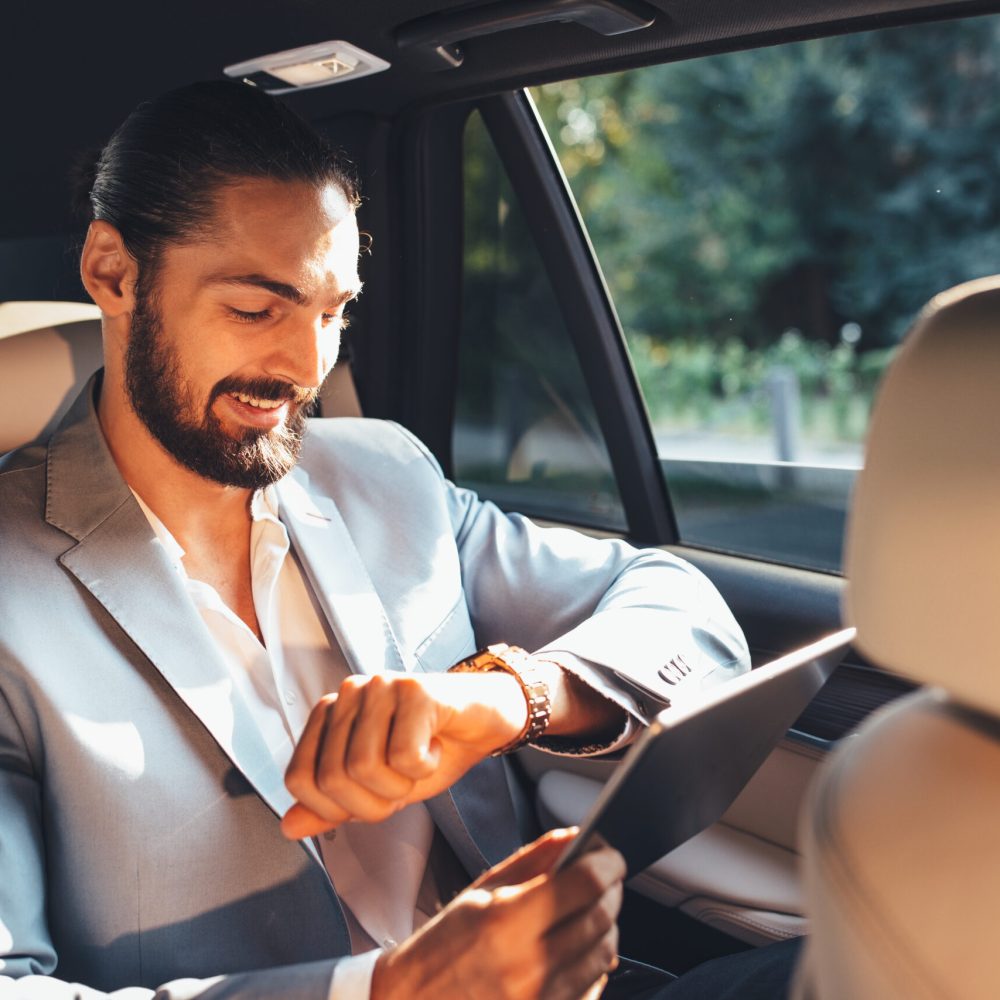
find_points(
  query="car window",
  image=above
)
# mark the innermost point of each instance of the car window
(525, 432)
(768, 223)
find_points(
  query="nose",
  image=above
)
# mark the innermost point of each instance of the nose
(306, 352)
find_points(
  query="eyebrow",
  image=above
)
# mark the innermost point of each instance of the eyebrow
(279, 288)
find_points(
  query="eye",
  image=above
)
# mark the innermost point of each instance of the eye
(243, 316)
(341, 321)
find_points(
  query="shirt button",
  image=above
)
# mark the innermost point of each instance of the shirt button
(389, 942)
(290, 698)
(330, 835)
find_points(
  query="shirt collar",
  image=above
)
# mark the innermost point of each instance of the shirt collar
(263, 508)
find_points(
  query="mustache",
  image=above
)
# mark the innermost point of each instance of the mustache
(272, 389)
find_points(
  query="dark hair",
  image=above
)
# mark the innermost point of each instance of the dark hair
(156, 179)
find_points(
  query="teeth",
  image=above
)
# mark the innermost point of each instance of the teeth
(261, 404)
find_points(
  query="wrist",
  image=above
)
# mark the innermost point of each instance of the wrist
(514, 663)
(578, 710)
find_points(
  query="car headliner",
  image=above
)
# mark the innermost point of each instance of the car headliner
(72, 71)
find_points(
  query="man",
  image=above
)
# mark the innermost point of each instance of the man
(202, 589)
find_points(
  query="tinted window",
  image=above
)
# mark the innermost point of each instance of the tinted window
(525, 431)
(768, 223)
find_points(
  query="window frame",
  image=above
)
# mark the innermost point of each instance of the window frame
(544, 197)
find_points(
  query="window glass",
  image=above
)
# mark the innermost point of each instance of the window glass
(768, 223)
(525, 431)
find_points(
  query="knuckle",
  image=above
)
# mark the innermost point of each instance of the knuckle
(602, 920)
(362, 768)
(491, 915)
(404, 758)
(590, 879)
(608, 948)
(473, 905)
(329, 782)
(409, 692)
(614, 898)
(295, 781)
(351, 686)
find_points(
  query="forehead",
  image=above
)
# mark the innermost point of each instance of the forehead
(300, 233)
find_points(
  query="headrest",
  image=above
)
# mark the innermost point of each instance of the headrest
(923, 542)
(43, 366)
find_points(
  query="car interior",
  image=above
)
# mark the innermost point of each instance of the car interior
(640, 267)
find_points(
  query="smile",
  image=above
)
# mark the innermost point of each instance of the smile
(261, 404)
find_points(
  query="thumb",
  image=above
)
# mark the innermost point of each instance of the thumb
(529, 862)
(301, 822)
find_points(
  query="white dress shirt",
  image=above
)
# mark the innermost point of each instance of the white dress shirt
(377, 869)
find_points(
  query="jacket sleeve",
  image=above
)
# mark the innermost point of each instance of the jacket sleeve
(27, 955)
(642, 626)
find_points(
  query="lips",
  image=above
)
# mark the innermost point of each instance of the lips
(264, 414)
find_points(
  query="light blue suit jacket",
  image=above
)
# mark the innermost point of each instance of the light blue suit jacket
(139, 840)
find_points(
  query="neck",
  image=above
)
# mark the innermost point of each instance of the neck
(193, 508)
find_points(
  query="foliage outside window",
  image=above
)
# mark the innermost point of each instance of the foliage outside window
(769, 222)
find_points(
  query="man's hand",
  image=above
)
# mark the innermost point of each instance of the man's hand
(383, 742)
(518, 933)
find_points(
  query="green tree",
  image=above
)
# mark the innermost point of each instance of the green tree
(839, 180)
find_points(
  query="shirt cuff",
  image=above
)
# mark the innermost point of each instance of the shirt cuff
(566, 746)
(352, 976)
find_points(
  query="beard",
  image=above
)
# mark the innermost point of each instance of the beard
(165, 403)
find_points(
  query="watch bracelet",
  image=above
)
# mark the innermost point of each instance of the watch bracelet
(516, 662)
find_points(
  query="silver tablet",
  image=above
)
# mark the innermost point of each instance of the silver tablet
(689, 765)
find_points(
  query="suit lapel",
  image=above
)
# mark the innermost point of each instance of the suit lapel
(478, 802)
(120, 562)
(339, 579)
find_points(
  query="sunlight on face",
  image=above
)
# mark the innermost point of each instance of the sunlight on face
(229, 348)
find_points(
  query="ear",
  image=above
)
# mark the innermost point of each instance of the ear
(108, 271)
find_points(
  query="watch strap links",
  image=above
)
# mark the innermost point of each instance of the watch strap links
(518, 663)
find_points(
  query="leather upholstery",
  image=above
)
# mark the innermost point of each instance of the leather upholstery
(725, 877)
(48, 350)
(899, 836)
(924, 535)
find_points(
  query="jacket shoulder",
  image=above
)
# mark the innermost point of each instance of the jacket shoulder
(22, 488)
(364, 446)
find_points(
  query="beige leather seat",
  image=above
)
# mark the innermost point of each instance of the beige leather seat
(901, 836)
(48, 350)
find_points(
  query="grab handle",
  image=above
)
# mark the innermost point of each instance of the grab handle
(436, 38)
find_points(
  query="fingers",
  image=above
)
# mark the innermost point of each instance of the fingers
(319, 774)
(511, 936)
(587, 944)
(412, 750)
(572, 914)
(576, 888)
(530, 861)
(563, 925)
(361, 753)
(376, 754)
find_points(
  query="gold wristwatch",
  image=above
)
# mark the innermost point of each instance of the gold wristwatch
(518, 663)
